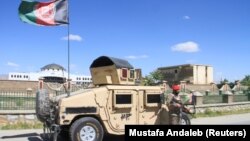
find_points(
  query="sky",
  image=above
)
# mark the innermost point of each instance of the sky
(148, 33)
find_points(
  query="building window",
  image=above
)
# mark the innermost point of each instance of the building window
(124, 73)
(153, 98)
(132, 74)
(123, 99)
(11, 76)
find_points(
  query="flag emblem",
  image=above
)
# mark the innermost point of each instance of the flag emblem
(45, 13)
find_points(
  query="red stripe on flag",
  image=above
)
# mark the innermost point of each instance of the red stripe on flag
(45, 13)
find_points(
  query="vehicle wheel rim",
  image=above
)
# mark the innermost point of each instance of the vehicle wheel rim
(87, 133)
(183, 122)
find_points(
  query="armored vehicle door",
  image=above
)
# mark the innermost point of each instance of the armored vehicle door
(149, 106)
(122, 107)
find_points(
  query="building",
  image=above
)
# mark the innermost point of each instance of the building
(190, 73)
(51, 72)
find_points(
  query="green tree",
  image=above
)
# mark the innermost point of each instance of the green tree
(148, 80)
(153, 78)
(224, 81)
(157, 75)
(246, 81)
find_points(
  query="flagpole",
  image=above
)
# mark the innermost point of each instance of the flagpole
(68, 53)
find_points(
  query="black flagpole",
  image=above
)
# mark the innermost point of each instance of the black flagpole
(68, 52)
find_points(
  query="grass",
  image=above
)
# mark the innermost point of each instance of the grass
(22, 125)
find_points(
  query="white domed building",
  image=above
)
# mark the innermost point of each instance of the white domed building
(51, 73)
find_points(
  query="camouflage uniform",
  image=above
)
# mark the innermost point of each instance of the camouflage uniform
(169, 112)
(170, 108)
(174, 108)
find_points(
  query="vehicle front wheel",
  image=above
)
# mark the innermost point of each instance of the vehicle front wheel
(86, 129)
(185, 119)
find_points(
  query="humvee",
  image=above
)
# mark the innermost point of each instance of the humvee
(115, 100)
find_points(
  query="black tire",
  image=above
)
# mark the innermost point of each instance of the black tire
(42, 105)
(86, 129)
(63, 134)
(185, 119)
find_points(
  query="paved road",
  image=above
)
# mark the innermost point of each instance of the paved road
(240, 119)
(35, 135)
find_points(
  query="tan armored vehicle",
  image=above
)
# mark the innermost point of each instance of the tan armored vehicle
(114, 101)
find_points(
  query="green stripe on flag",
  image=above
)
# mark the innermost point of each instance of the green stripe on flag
(26, 12)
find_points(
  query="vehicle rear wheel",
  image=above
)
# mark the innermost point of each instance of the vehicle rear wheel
(86, 129)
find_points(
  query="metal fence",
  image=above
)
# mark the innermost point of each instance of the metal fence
(241, 98)
(212, 99)
(25, 100)
(19, 100)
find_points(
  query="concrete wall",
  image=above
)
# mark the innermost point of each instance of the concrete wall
(18, 85)
(178, 73)
(202, 74)
(194, 74)
(210, 73)
(185, 74)
(12, 117)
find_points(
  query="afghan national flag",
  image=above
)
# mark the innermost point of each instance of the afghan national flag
(44, 13)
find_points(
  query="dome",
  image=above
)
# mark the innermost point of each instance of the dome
(53, 67)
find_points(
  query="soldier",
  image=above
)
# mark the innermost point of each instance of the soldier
(173, 102)
(170, 106)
